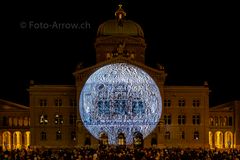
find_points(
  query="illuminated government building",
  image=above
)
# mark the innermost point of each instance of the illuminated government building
(110, 103)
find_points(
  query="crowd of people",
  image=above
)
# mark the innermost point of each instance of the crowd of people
(120, 153)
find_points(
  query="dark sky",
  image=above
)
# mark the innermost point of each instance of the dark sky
(195, 41)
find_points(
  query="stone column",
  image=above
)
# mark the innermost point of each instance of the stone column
(213, 140)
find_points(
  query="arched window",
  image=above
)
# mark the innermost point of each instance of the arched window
(103, 138)
(121, 139)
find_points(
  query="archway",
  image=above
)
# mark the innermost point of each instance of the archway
(138, 140)
(218, 137)
(6, 140)
(27, 139)
(87, 141)
(228, 137)
(17, 140)
(103, 138)
(121, 139)
(211, 140)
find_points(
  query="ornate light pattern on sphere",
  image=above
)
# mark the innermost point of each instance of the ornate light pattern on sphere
(120, 98)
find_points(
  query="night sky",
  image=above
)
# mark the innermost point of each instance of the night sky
(196, 42)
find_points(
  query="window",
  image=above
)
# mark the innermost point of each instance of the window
(181, 119)
(225, 121)
(58, 135)
(154, 141)
(167, 103)
(58, 119)
(72, 119)
(196, 119)
(167, 119)
(196, 135)
(43, 119)
(230, 121)
(221, 120)
(183, 135)
(181, 102)
(87, 141)
(73, 136)
(73, 102)
(43, 102)
(216, 121)
(211, 121)
(5, 121)
(43, 136)
(196, 103)
(58, 102)
(167, 135)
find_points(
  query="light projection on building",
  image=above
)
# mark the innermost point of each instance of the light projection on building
(120, 99)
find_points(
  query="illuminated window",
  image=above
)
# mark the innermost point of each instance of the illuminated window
(20, 121)
(211, 121)
(15, 121)
(167, 135)
(181, 102)
(167, 119)
(43, 136)
(73, 136)
(196, 135)
(43, 119)
(216, 121)
(58, 119)
(167, 103)
(10, 121)
(181, 119)
(196, 103)
(121, 139)
(26, 121)
(225, 121)
(196, 119)
(58, 135)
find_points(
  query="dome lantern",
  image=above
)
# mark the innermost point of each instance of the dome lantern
(120, 14)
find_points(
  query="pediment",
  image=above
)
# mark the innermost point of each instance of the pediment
(224, 107)
(11, 106)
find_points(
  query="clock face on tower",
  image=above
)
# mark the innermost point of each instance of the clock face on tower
(120, 98)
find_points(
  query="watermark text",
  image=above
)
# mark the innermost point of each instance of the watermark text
(34, 25)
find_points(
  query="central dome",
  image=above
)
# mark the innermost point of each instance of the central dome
(127, 27)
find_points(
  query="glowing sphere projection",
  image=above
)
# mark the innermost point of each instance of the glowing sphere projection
(120, 98)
